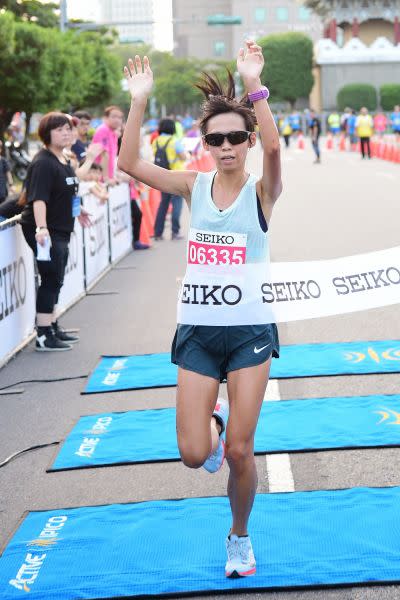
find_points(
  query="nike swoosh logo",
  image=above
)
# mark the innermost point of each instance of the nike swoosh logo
(258, 350)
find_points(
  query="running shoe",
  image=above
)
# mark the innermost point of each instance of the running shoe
(216, 459)
(241, 561)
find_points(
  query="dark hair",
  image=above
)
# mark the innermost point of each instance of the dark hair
(51, 121)
(82, 114)
(95, 167)
(219, 101)
(167, 126)
(108, 110)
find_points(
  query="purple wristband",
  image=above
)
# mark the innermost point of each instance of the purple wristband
(261, 94)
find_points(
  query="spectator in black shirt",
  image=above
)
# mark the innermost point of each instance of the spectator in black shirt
(83, 119)
(315, 132)
(51, 205)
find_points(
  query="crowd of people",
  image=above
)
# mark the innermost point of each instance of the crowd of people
(356, 126)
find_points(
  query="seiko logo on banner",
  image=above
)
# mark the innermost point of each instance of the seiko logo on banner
(119, 219)
(73, 254)
(12, 287)
(97, 236)
(211, 294)
(283, 291)
(371, 280)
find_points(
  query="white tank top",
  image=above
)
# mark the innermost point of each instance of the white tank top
(227, 260)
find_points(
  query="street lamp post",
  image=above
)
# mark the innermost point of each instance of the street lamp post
(63, 15)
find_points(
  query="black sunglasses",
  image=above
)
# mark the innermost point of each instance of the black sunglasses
(233, 137)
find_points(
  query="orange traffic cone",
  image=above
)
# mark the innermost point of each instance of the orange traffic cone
(329, 142)
(342, 143)
(144, 234)
(147, 216)
(154, 201)
(300, 142)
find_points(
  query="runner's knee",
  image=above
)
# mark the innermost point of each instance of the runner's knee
(192, 457)
(239, 452)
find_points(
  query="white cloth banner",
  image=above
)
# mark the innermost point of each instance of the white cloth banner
(17, 290)
(244, 295)
(97, 243)
(119, 205)
(74, 279)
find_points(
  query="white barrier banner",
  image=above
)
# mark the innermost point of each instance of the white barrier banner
(17, 290)
(119, 205)
(97, 245)
(74, 279)
(291, 291)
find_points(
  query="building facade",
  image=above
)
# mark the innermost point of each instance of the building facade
(133, 18)
(194, 37)
(361, 44)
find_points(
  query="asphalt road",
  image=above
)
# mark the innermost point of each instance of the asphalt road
(342, 206)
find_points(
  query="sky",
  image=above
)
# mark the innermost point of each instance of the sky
(86, 9)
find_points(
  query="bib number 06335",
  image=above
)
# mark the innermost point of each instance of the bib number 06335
(215, 254)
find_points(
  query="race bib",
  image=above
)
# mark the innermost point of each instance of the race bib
(76, 206)
(216, 248)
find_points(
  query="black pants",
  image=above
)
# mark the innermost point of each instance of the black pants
(364, 142)
(315, 144)
(136, 219)
(52, 271)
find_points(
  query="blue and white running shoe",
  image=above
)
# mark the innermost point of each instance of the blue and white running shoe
(216, 459)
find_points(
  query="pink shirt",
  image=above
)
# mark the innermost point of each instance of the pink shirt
(107, 137)
(380, 122)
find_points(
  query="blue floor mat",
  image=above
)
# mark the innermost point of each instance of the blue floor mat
(300, 539)
(115, 373)
(286, 426)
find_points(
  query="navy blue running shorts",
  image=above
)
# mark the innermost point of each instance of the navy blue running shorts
(216, 350)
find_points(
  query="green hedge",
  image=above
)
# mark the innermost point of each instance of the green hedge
(356, 95)
(390, 95)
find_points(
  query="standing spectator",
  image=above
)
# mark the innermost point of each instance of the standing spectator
(380, 123)
(50, 205)
(83, 119)
(295, 122)
(175, 155)
(315, 132)
(107, 136)
(395, 120)
(364, 125)
(6, 180)
(351, 127)
(136, 215)
(286, 130)
(343, 120)
(334, 122)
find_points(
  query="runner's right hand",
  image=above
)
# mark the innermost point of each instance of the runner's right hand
(139, 78)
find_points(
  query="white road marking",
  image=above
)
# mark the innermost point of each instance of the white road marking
(280, 476)
(279, 470)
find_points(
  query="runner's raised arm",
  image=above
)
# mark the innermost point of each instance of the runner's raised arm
(140, 82)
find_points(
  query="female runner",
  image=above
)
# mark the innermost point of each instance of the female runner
(225, 330)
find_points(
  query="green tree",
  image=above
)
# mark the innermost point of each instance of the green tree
(356, 95)
(288, 65)
(390, 95)
(33, 11)
(43, 69)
